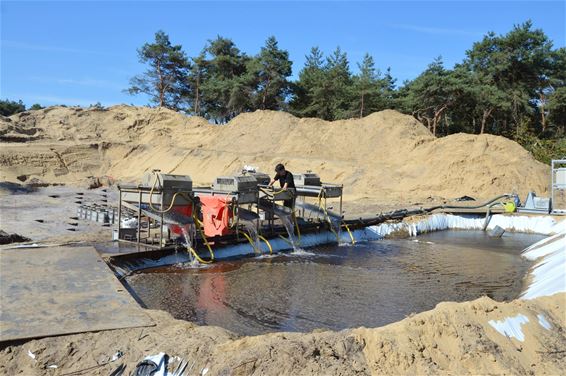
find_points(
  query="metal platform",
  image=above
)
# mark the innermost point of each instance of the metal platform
(61, 290)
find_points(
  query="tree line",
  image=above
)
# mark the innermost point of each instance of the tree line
(9, 107)
(222, 81)
(511, 85)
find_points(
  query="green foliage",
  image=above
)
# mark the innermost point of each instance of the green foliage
(165, 79)
(544, 150)
(96, 106)
(271, 69)
(431, 94)
(8, 107)
(512, 85)
(224, 90)
(324, 89)
(36, 106)
(310, 77)
(557, 111)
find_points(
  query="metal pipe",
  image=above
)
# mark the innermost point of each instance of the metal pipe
(119, 212)
(161, 232)
(341, 215)
(139, 217)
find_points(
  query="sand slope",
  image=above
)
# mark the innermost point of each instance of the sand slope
(384, 155)
(452, 339)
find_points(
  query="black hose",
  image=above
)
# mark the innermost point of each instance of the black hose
(428, 210)
(403, 213)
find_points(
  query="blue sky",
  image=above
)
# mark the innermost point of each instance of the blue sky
(83, 52)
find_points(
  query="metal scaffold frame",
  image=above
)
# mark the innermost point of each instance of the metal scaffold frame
(558, 185)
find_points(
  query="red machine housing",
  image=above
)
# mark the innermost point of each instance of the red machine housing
(184, 210)
(216, 215)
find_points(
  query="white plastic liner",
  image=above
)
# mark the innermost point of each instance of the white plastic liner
(532, 224)
(548, 275)
(511, 326)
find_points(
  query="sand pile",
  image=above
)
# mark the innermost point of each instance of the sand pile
(454, 338)
(386, 155)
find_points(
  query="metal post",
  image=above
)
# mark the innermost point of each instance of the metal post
(119, 212)
(139, 216)
(148, 229)
(238, 218)
(161, 232)
(258, 216)
(272, 214)
(341, 215)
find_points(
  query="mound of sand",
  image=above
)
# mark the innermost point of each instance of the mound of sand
(386, 155)
(454, 339)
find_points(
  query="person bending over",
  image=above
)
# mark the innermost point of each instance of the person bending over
(286, 181)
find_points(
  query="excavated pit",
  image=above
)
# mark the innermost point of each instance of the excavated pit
(336, 287)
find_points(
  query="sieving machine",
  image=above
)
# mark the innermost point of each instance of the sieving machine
(160, 199)
(165, 208)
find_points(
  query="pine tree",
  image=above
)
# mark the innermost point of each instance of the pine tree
(336, 91)
(225, 66)
(197, 76)
(428, 97)
(273, 69)
(310, 77)
(366, 87)
(164, 80)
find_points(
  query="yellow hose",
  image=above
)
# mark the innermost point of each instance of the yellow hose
(191, 249)
(286, 240)
(172, 199)
(323, 208)
(256, 251)
(266, 242)
(350, 232)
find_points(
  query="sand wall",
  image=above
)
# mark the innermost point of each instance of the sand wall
(384, 156)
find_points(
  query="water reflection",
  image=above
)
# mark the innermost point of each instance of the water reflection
(337, 287)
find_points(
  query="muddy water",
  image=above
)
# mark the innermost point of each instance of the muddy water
(336, 287)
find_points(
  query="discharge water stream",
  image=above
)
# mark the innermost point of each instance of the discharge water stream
(336, 287)
(251, 228)
(189, 233)
(287, 221)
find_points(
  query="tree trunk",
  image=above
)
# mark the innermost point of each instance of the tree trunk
(437, 116)
(264, 95)
(486, 114)
(543, 117)
(515, 114)
(161, 87)
(197, 99)
(362, 108)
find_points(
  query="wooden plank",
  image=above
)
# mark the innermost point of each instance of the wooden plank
(61, 290)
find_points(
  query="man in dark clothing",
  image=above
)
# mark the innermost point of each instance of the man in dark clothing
(286, 181)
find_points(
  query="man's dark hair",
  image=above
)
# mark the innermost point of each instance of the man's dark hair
(279, 167)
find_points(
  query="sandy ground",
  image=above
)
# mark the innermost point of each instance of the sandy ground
(386, 161)
(386, 156)
(454, 338)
